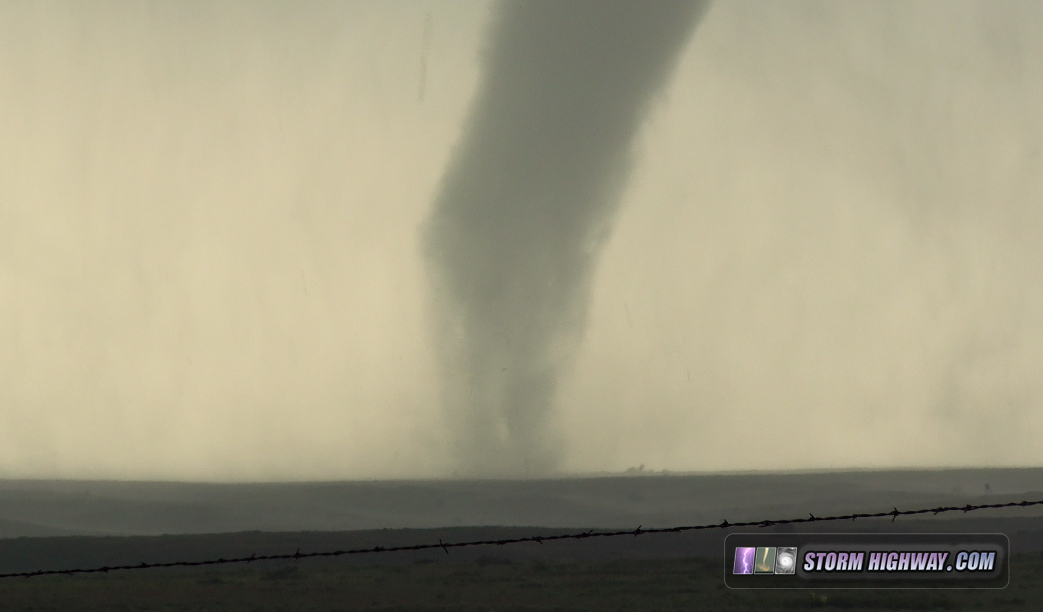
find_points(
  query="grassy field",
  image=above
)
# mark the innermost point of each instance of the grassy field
(483, 584)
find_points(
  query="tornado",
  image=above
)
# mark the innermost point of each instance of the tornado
(525, 206)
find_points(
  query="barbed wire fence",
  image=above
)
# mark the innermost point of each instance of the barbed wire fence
(538, 539)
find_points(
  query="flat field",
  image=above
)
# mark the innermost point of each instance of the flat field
(57, 525)
(487, 583)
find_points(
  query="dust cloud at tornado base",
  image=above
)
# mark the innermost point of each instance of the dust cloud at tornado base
(826, 252)
(526, 206)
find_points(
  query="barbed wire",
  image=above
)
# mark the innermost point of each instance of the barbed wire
(811, 518)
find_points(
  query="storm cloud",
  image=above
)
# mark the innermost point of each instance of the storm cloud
(815, 243)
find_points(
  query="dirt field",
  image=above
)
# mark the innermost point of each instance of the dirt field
(43, 508)
(483, 584)
(653, 572)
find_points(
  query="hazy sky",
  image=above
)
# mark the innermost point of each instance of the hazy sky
(829, 252)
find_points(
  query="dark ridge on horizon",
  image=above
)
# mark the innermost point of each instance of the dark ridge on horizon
(624, 473)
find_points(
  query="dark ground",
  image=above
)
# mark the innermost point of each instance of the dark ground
(30, 508)
(651, 572)
(485, 584)
(68, 552)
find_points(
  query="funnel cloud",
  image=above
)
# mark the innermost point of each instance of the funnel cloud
(526, 205)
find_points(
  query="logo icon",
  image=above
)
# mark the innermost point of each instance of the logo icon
(744, 558)
(786, 560)
(765, 561)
